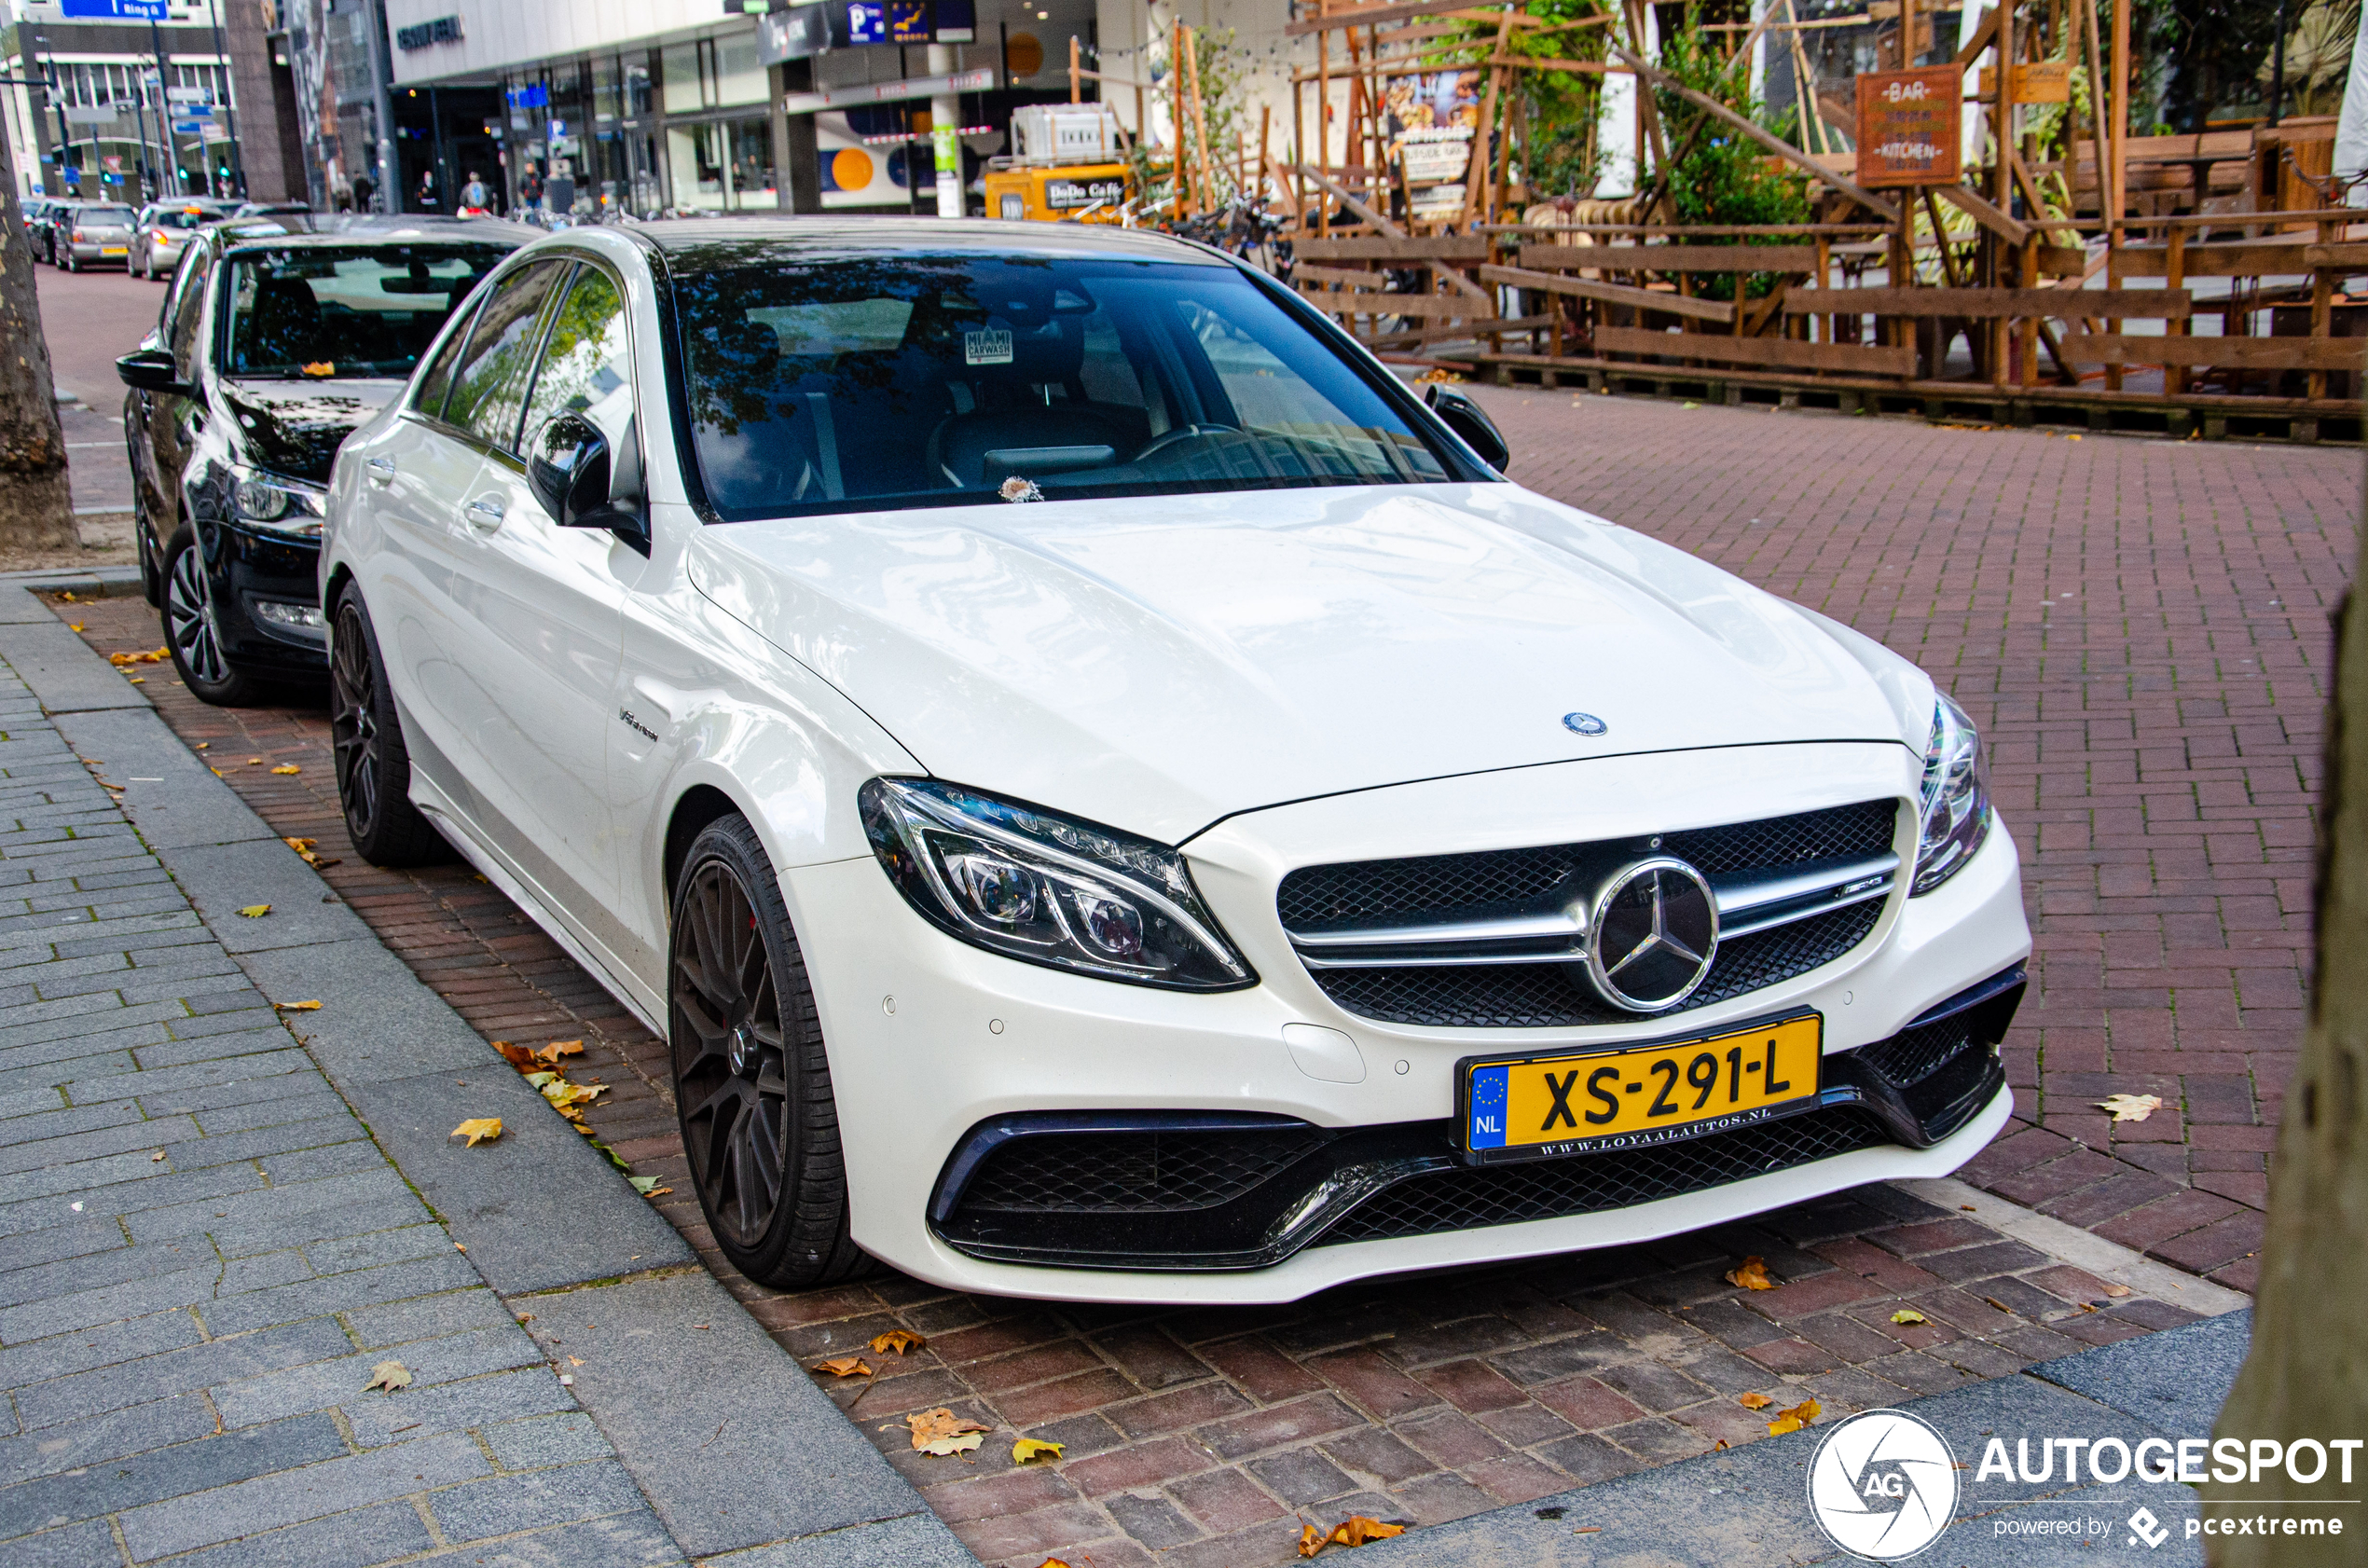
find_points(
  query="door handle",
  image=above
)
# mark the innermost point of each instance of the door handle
(381, 471)
(484, 515)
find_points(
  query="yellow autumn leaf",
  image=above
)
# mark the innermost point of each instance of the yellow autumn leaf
(1354, 1531)
(2130, 1107)
(843, 1367)
(389, 1376)
(287, 767)
(1909, 1314)
(1752, 1275)
(73, 625)
(942, 1433)
(255, 910)
(1032, 1448)
(1755, 1401)
(301, 846)
(297, 1007)
(1793, 1420)
(897, 1341)
(551, 1053)
(477, 1129)
(321, 367)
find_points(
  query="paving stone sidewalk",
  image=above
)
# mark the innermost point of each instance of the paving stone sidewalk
(204, 1256)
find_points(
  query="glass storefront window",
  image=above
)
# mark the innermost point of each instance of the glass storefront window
(739, 75)
(752, 186)
(636, 87)
(723, 166)
(685, 87)
(698, 172)
(608, 96)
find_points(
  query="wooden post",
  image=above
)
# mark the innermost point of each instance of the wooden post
(1182, 178)
(2175, 279)
(1825, 266)
(2323, 297)
(1077, 84)
(1476, 168)
(2002, 183)
(2028, 345)
(1200, 126)
(1265, 124)
(1323, 122)
(2121, 118)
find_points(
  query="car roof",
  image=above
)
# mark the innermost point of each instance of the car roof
(698, 244)
(233, 242)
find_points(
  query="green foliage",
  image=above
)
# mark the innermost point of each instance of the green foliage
(1222, 64)
(1559, 110)
(1719, 175)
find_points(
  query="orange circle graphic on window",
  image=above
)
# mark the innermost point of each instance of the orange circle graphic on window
(851, 168)
(1023, 56)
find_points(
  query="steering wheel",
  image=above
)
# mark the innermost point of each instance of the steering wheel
(1180, 434)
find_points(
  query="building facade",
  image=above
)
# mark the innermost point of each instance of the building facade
(142, 106)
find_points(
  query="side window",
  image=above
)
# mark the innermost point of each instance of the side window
(187, 306)
(489, 386)
(587, 365)
(438, 383)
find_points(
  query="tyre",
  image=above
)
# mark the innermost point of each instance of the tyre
(151, 575)
(751, 1082)
(190, 632)
(373, 763)
(71, 263)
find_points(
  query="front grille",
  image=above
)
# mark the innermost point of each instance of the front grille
(1913, 1055)
(1547, 996)
(1463, 1199)
(1447, 888)
(1134, 1173)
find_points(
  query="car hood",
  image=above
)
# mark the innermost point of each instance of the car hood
(295, 427)
(1159, 664)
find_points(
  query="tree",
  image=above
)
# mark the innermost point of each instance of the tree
(2307, 1373)
(35, 511)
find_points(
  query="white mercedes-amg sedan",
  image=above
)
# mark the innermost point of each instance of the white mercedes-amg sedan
(1110, 796)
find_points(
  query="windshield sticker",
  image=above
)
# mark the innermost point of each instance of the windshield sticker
(1018, 491)
(990, 347)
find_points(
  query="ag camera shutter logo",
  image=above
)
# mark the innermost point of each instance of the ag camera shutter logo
(1884, 1485)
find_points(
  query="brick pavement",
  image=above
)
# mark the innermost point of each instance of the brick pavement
(1202, 1437)
(2141, 629)
(204, 1256)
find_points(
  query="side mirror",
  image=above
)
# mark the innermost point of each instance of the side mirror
(1469, 421)
(152, 370)
(569, 469)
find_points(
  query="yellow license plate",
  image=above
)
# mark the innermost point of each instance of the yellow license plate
(1524, 1107)
(115, 250)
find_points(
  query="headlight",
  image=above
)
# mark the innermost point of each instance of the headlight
(1956, 798)
(1048, 890)
(276, 505)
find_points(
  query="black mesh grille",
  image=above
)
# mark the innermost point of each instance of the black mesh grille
(1461, 887)
(1132, 1172)
(1913, 1055)
(1465, 1198)
(1543, 996)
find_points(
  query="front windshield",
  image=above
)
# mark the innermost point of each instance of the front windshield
(923, 380)
(368, 311)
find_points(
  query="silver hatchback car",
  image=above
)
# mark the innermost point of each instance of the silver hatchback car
(165, 227)
(97, 235)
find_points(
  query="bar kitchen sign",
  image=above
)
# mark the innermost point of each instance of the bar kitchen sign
(1908, 127)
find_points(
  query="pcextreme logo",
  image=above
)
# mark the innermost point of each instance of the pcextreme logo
(1884, 1485)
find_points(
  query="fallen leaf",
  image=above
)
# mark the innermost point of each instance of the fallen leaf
(297, 1007)
(1909, 1314)
(73, 625)
(202, 745)
(1354, 1531)
(68, 597)
(898, 1341)
(1052, 1562)
(2130, 1107)
(942, 1433)
(287, 767)
(2112, 1290)
(1311, 1540)
(1793, 1420)
(123, 661)
(301, 845)
(1752, 1275)
(139, 679)
(321, 367)
(156, 1156)
(1032, 1448)
(518, 1057)
(477, 1129)
(1999, 1304)
(1755, 1401)
(551, 1053)
(389, 1376)
(1598, 1530)
(647, 1185)
(254, 762)
(255, 910)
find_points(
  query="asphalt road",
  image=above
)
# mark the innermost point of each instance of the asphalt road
(89, 318)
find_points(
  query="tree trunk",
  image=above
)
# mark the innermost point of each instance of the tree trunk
(35, 511)
(2307, 1375)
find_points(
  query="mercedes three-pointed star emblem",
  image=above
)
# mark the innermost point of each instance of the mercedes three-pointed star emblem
(1653, 933)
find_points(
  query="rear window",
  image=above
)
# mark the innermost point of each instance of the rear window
(103, 216)
(925, 382)
(329, 313)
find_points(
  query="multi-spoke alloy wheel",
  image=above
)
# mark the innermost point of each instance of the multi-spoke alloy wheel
(190, 630)
(365, 736)
(751, 1083)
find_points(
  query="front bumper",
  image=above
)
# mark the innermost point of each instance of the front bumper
(930, 1039)
(248, 567)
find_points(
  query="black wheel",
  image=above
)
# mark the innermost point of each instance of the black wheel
(190, 631)
(72, 263)
(751, 1083)
(374, 765)
(143, 536)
